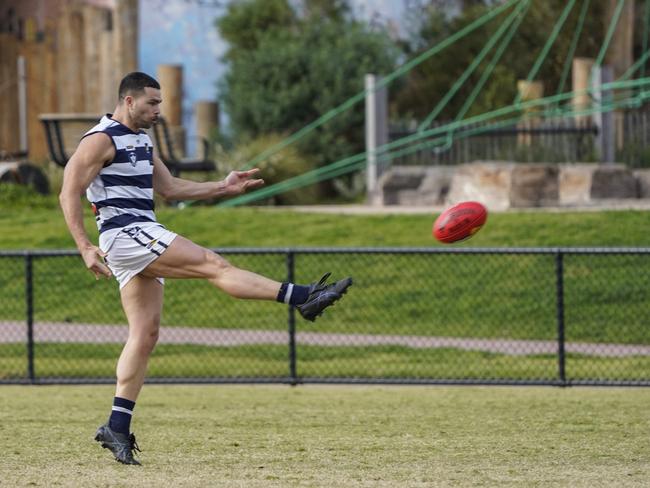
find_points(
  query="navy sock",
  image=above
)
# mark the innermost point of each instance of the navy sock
(120, 419)
(292, 294)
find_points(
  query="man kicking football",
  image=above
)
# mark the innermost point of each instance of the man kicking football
(116, 167)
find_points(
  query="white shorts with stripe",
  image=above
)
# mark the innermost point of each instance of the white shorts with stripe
(131, 249)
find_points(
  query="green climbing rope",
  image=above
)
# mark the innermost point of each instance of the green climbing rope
(472, 67)
(493, 62)
(464, 129)
(574, 44)
(383, 82)
(608, 38)
(549, 43)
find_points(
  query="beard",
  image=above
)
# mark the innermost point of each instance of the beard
(146, 124)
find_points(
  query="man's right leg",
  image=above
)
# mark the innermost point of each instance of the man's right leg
(142, 302)
(185, 259)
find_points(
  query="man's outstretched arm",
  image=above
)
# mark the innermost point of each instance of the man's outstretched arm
(81, 169)
(172, 188)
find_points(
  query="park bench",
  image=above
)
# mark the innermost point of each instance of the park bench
(63, 131)
(167, 153)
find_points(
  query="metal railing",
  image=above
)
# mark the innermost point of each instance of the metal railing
(555, 316)
(550, 140)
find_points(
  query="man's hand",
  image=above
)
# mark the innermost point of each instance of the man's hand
(238, 182)
(92, 257)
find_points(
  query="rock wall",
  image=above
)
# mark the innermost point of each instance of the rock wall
(503, 185)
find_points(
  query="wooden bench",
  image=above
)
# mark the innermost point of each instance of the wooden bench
(60, 139)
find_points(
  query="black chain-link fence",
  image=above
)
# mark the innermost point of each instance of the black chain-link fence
(454, 315)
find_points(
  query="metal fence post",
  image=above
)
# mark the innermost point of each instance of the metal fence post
(292, 322)
(559, 275)
(29, 302)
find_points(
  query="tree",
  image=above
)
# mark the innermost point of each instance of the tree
(299, 67)
(428, 83)
(245, 23)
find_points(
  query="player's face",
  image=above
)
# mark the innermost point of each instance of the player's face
(145, 108)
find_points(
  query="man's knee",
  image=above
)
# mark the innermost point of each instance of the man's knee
(145, 338)
(146, 345)
(216, 265)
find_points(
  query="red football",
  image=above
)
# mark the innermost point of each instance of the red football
(459, 222)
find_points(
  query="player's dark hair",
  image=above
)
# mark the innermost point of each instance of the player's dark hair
(135, 83)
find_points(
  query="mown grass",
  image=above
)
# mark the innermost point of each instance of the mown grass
(487, 296)
(92, 361)
(498, 295)
(38, 228)
(317, 436)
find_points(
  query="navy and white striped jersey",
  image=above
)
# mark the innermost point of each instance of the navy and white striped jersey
(122, 193)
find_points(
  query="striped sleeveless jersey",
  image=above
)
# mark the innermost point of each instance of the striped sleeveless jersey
(122, 193)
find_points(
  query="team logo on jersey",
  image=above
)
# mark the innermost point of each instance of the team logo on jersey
(133, 158)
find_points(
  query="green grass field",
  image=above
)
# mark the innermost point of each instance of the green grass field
(325, 436)
(97, 361)
(347, 436)
(44, 228)
(480, 296)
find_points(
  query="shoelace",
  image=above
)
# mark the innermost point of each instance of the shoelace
(322, 284)
(133, 445)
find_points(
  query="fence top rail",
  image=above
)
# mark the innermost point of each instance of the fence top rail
(366, 250)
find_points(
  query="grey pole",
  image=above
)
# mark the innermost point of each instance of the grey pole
(376, 134)
(371, 140)
(604, 121)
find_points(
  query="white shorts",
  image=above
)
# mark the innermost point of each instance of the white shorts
(131, 249)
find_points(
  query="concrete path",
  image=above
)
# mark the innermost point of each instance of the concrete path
(16, 332)
(363, 209)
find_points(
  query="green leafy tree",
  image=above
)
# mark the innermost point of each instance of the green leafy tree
(428, 83)
(245, 23)
(302, 64)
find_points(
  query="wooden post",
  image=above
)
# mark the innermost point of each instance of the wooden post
(71, 59)
(30, 29)
(34, 54)
(528, 91)
(206, 114)
(51, 98)
(107, 73)
(581, 74)
(125, 31)
(9, 93)
(170, 78)
(620, 55)
(93, 23)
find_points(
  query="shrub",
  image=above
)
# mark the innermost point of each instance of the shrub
(281, 166)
